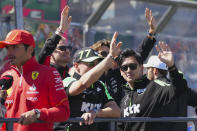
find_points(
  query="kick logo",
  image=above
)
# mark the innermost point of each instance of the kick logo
(86, 106)
(134, 109)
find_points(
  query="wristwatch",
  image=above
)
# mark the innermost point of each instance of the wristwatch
(113, 58)
(37, 113)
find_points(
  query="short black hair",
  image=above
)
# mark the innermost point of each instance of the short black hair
(26, 46)
(127, 53)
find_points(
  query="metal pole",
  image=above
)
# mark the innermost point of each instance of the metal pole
(112, 126)
(163, 21)
(18, 6)
(195, 125)
(187, 4)
(85, 34)
(93, 19)
(9, 126)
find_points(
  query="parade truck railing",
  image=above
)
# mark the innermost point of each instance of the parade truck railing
(10, 121)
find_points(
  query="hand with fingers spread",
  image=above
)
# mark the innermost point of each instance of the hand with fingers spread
(165, 54)
(151, 21)
(65, 19)
(88, 118)
(114, 50)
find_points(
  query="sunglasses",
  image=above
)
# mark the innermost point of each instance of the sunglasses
(104, 53)
(91, 64)
(132, 66)
(64, 48)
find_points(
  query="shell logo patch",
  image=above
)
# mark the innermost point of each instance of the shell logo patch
(34, 75)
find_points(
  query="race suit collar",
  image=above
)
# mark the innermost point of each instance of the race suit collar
(29, 65)
(141, 83)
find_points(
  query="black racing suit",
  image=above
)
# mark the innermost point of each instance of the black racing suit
(114, 80)
(158, 98)
(47, 50)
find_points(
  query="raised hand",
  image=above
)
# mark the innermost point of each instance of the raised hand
(165, 54)
(65, 19)
(114, 48)
(151, 20)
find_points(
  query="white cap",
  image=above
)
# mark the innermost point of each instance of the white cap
(155, 62)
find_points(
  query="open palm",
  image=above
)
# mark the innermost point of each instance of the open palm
(65, 19)
(151, 20)
(115, 48)
(165, 54)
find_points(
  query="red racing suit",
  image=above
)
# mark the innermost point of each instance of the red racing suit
(37, 87)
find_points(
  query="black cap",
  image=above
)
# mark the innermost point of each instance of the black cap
(86, 55)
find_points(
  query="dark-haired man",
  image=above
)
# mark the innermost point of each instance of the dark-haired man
(56, 51)
(145, 98)
(37, 92)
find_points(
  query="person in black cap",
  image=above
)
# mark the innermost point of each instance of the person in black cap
(88, 97)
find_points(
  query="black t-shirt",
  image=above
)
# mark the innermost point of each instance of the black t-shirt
(94, 97)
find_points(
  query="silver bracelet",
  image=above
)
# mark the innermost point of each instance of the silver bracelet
(113, 58)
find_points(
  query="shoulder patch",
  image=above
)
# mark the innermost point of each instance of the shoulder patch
(67, 81)
(34, 75)
(161, 83)
(180, 72)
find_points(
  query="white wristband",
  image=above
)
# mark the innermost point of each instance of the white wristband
(59, 31)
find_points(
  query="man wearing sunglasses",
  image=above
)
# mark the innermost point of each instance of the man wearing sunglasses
(56, 52)
(145, 98)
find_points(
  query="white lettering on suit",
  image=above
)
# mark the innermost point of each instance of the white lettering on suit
(135, 108)
(86, 107)
(58, 79)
